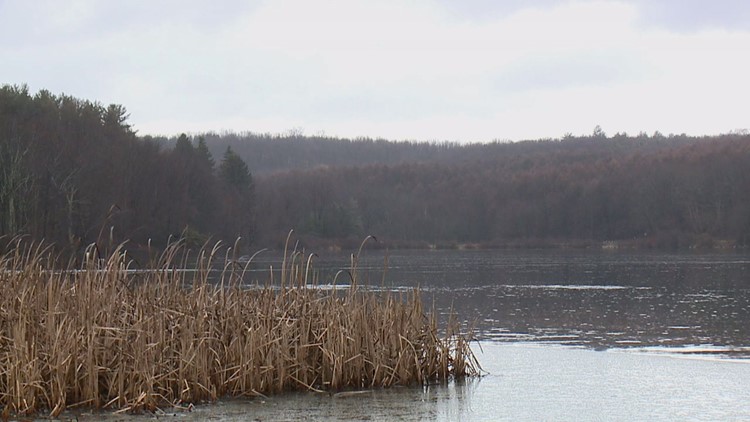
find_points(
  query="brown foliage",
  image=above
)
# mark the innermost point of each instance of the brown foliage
(107, 336)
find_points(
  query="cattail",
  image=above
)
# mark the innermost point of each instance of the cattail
(104, 335)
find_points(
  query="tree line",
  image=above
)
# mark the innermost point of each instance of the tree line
(672, 191)
(75, 172)
(269, 153)
(650, 193)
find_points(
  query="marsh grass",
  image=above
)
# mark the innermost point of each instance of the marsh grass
(103, 336)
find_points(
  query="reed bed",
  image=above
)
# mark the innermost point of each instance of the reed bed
(101, 335)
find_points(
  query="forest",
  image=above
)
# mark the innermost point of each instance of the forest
(74, 172)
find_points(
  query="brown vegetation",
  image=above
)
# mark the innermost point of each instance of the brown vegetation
(107, 336)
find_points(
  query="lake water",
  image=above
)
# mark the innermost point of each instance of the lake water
(571, 335)
(594, 299)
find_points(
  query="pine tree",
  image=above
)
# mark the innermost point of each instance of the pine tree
(233, 171)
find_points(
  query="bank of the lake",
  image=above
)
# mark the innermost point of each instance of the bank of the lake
(526, 382)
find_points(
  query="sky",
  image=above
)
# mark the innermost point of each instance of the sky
(426, 70)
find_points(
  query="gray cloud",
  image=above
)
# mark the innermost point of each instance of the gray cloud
(695, 15)
(431, 68)
(485, 10)
(564, 72)
(672, 15)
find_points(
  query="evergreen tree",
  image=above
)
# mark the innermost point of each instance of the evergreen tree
(183, 145)
(234, 172)
(239, 198)
(204, 155)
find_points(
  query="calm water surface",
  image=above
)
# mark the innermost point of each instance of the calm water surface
(563, 336)
(599, 300)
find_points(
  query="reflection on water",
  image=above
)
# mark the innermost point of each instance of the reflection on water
(600, 300)
(448, 402)
(609, 316)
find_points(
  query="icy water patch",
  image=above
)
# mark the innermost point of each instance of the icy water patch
(525, 382)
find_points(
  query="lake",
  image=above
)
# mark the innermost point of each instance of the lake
(562, 335)
(594, 299)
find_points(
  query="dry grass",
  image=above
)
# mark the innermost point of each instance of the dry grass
(104, 336)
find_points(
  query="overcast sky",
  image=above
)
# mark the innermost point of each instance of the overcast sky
(455, 70)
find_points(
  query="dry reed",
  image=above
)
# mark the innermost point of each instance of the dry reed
(106, 336)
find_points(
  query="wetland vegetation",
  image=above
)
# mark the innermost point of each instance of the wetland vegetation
(107, 335)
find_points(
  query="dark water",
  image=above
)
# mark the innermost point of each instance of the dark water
(595, 299)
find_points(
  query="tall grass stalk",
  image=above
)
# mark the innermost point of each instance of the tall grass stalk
(101, 335)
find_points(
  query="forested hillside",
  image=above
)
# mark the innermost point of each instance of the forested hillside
(643, 191)
(74, 172)
(266, 153)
